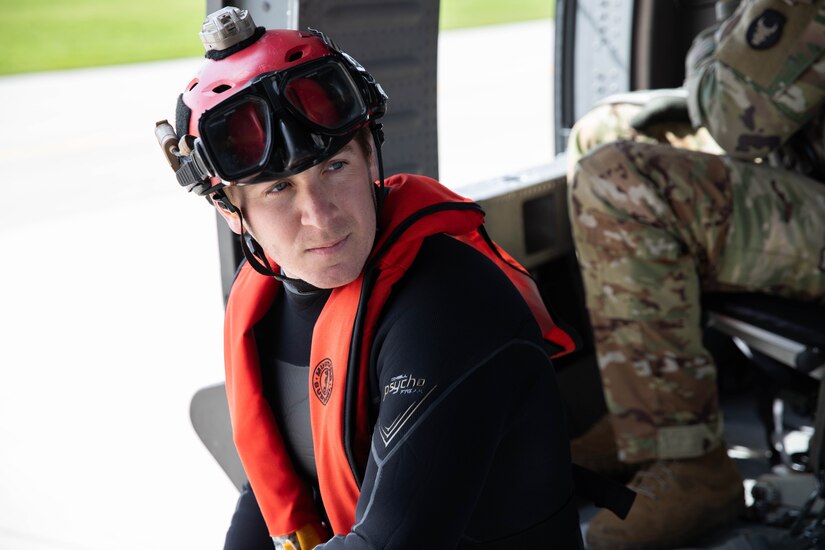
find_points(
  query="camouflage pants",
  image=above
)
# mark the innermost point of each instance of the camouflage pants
(655, 225)
(611, 122)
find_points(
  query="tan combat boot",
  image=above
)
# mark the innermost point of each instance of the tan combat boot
(676, 502)
(596, 450)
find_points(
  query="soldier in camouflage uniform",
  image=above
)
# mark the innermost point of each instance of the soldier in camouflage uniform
(659, 216)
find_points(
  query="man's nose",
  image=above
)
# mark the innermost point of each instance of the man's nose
(317, 206)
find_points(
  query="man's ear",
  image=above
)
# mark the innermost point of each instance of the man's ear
(229, 213)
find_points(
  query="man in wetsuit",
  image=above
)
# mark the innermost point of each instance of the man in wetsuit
(661, 215)
(387, 365)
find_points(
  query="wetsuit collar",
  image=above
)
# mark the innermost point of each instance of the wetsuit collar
(297, 286)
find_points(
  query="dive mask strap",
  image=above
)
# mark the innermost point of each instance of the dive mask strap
(254, 254)
(378, 139)
(185, 157)
(195, 171)
(250, 248)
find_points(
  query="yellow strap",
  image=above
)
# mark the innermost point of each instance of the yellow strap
(305, 538)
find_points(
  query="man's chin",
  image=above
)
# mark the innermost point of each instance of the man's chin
(331, 277)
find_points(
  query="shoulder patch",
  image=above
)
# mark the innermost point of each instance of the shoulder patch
(766, 30)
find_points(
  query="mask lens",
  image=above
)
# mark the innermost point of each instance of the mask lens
(239, 135)
(327, 97)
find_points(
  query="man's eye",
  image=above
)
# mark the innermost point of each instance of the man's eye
(336, 165)
(278, 187)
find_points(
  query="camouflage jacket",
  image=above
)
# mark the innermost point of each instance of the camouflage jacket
(757, 83)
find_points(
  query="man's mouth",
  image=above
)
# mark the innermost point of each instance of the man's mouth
(330, 247)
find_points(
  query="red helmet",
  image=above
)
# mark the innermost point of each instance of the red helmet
(268, 104)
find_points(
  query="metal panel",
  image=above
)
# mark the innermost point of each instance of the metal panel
(563, 89)
(593, 49)
(397, 42)
(662, 34)
(605, 47)
(537, 198)
(209, 412)
(773, 345)
(272, 14)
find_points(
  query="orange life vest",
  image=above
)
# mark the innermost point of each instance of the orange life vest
(414, 208)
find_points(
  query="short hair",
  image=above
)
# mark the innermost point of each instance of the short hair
(362, 138)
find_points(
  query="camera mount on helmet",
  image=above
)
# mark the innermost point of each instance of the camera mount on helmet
(225, 28)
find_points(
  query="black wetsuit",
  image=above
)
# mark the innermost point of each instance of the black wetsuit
(469, 445)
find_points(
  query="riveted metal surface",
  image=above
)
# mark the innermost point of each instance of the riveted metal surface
(397, 42)
(537, 198)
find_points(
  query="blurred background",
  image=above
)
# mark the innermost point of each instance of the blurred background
(111, 315)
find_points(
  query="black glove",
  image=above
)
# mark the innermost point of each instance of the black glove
(662, 109)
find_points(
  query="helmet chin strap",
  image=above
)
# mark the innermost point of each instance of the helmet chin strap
(252, 251)
(378, 139)
(254, 254)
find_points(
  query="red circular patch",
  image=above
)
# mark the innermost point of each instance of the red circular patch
(322, 380)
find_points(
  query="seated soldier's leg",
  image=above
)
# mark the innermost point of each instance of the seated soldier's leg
(655, 225)
(613, 118)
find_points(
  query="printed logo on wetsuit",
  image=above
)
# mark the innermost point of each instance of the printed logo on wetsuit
(404, 384)
(766, 30)
(388, 432)
(322, 380)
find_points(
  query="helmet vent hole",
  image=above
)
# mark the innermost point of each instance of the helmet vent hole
(221, 88)
(192, 86)
(295, 55)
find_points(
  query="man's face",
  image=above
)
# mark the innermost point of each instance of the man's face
(319, 225)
